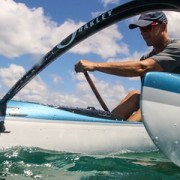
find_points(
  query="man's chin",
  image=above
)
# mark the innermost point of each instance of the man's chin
(148, 44)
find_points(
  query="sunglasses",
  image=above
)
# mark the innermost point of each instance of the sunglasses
(149, 27)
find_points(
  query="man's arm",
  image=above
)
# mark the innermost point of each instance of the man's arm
(126, 69)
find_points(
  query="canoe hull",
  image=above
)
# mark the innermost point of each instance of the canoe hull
(74, 136)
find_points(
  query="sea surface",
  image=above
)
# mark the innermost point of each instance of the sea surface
(33, 163)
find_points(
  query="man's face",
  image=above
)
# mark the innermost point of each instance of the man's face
(151, 33)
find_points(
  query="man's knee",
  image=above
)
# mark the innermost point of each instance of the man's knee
(134, 98)
(134, 93)
(131, 96)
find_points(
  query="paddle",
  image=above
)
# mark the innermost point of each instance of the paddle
(94, 89)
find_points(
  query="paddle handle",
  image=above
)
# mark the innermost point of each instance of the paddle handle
(94, 89)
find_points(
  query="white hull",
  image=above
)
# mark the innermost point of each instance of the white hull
(74, 136)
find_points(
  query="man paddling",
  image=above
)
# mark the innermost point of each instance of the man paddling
(165, 56)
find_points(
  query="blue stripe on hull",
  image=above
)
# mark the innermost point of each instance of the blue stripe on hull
(21, 109)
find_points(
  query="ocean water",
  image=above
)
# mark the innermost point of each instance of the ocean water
(33, 163)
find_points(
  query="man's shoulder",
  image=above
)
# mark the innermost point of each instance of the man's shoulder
(174, 42)
(147, 55)
(173, 46)
(175, 39)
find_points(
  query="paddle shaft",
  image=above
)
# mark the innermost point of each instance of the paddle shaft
(94, 89)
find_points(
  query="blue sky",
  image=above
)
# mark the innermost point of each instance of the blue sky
(30, 28)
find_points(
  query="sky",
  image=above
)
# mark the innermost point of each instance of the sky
(31, 28)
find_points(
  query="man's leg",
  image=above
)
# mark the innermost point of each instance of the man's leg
(136, 116)
(128, 106)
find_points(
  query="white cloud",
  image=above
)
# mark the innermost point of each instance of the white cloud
(110, 92)
(37, 90)
(56, 79)
(11, 74)
(106, 2)
(135, 56)
(104, 43)
(29, 31)
(173, 23)
(23, 30)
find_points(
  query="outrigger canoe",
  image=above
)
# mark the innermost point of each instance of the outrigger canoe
(71, 129)
(68, 129)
